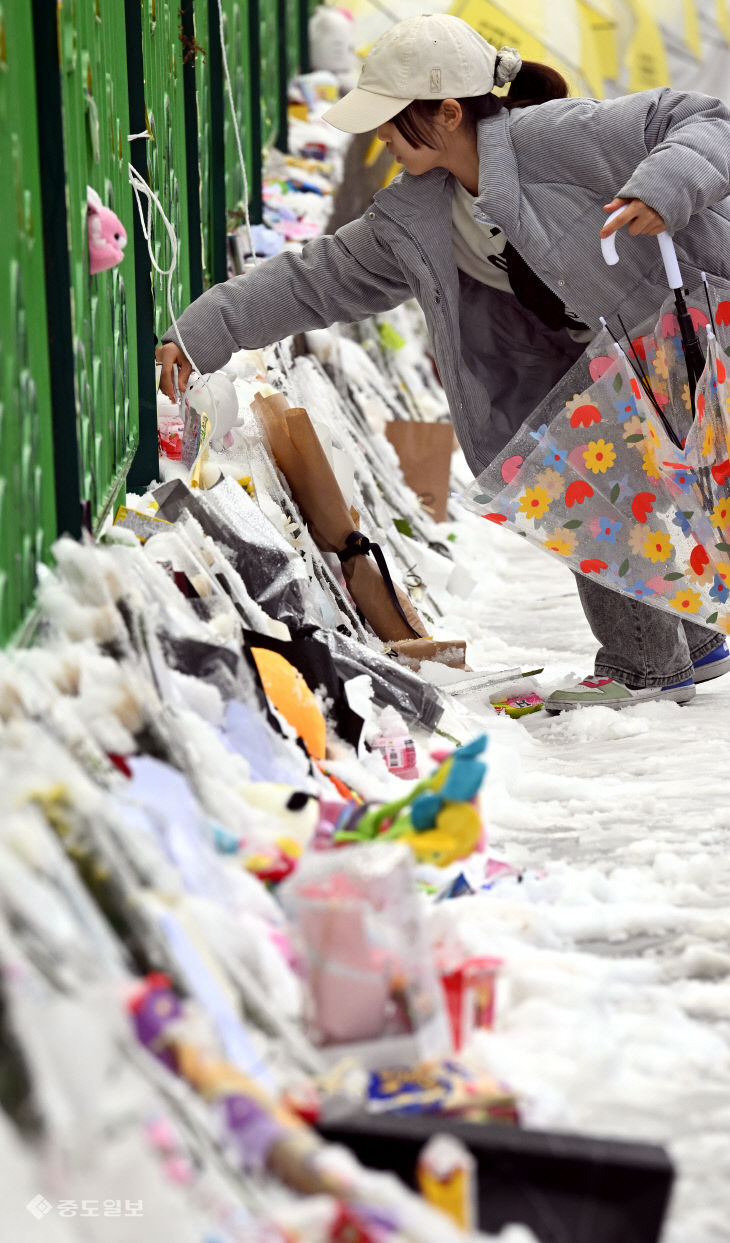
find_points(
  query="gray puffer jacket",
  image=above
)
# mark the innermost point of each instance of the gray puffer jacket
(544, 174)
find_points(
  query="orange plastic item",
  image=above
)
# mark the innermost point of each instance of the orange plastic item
(291, 696)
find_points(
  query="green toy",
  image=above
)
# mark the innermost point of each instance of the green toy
(437, 817)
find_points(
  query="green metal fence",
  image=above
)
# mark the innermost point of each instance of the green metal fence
(95, 103)
(242, 37)
(200, 30)
(78, 79)
(294, 60)
(27, 497)
(269, 93)
(167, 152)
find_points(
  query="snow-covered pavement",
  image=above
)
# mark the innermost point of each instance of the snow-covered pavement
(614, 1018)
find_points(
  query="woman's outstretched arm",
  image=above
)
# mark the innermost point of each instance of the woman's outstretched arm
(336, 279)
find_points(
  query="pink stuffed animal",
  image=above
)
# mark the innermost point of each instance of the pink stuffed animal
(107, 237)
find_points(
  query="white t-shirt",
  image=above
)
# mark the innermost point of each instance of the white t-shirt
(478, 247)
(479, 251)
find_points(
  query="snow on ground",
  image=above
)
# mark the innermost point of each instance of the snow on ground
(614, 1013)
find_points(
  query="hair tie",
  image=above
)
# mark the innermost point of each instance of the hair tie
(507, 65)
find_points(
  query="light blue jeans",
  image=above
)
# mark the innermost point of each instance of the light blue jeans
(641, 646)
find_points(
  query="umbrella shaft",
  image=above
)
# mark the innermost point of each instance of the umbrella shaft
(693, 356)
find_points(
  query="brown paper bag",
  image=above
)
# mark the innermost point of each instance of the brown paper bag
(302, 460)
(424, 452)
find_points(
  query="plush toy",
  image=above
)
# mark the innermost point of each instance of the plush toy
(332, 44)
(437, 818)
(292, 822)
(214, 396)
(454, 835)
(107, 236)
(210, 411)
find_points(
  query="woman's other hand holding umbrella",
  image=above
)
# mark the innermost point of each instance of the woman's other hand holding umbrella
(639, 217)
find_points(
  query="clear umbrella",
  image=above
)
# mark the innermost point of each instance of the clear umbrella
(629, 479)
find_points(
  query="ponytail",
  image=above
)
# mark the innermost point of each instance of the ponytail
(535, 84)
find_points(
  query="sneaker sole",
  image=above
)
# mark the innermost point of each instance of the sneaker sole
(715, 669)
(679, 695)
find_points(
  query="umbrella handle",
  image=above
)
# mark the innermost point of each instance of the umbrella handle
(666, 245)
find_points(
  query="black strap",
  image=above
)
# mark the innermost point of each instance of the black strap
(534, 293)
(358, 545)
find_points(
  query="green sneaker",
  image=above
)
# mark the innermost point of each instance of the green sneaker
(610, 694)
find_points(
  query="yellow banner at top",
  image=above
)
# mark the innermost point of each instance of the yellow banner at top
(598, 47)
(646, 57)
(530, 35)
(691, 28)
(577, 37)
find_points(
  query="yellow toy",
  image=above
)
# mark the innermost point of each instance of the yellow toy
(437, 818)
(455, 835)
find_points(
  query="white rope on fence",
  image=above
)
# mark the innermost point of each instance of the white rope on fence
(141, 188)
(234, 118)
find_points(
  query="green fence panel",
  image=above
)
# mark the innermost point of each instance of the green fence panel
(196, 15)
(242, 53)
(269, 61)
(292, 36)
(193, 16)
(196, 69)
(167, 154)
(94, 87)
(27, 498)
(211, 105)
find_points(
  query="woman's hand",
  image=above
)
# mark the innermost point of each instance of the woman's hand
(170, 355)
(639, 218)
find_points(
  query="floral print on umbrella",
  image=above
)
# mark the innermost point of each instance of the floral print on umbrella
(603, 487)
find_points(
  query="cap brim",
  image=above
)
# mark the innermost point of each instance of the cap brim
(360, 111)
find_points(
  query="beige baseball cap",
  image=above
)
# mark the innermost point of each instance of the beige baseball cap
(432, 56)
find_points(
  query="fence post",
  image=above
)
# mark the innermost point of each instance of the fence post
(282, 132)
(304, 8)
(254, 120)
(146, 463)
(218, 102)
(192, 166)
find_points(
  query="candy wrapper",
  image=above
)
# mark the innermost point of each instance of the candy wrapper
(372, 987)
(142, 525)
(518, 698)
(445, 1087)
(399, 753)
